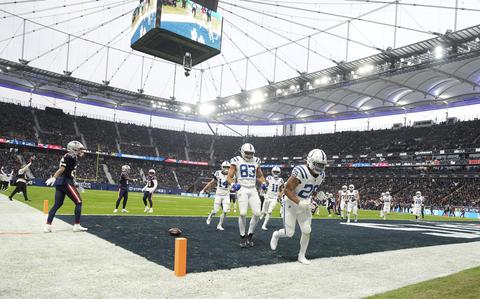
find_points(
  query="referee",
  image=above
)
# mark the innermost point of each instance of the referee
(22, 180)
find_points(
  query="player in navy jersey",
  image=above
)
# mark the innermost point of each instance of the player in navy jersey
(123, 189)
(64, 181)
(148, 190)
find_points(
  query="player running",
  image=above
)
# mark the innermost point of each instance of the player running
(64, 181)
(123, 190)
(352, 205)
(148, 190)
(417, 204)
(246, 169)
(342, 198)
(387, 203)
(273, 195)
(222, 194)
(301, 185)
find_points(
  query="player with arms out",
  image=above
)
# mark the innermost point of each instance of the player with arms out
(222, 194)
(246, 169)
(123, 190)
(273, 195)
(387, 203)
(342, 198)
(303, 183)
(64, 182)
(352, 204)
(417, 204)
(148, 190)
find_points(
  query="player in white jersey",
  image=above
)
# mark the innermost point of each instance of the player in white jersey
(379, 203)
(222, 194)
(246, 169)
(417, 204)
(303, 183)
(387, 203)
(343, 200)
(352, 205)
(274, 192)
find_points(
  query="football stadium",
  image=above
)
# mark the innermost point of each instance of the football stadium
(228, 149)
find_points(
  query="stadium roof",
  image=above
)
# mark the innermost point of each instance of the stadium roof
(78, 51)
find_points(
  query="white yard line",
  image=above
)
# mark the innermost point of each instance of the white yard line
(66, 264)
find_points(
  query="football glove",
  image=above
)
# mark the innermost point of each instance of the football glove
(202, 192)
(50, 181)
(264, 186)
(144, 189)
(236, 186)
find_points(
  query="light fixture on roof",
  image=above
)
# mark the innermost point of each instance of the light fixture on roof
(233, 103)
(365, 69)
(325, 80)
(257, 97)
(186, 109)
(438, 52)
(206, 109)
(292, 87)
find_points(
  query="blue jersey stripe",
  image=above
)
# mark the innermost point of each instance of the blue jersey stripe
(304, 172)
(299, 170)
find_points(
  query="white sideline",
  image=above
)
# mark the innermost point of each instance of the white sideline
(64, 264)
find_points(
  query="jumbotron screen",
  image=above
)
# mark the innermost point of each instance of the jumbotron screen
(193, 21)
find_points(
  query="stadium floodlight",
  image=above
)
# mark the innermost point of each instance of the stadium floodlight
(257, 97)
(186, 109)
(365, 69)
(206, 109)
(438, 52)
(232, 103)
(325, 80)
(292, 87)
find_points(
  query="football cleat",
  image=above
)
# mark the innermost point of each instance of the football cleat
(261, 216)
(219, 227)
(47, 228)
(116, 210)
(249, 240)
(302, 259)
(264, 228)
(145, 210)
(124, 211)
(274, 240)
(79, 228)
(243, 242)
(150, 210)
(209, 219)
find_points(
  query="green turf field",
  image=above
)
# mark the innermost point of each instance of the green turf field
(463, 285)
(103, 202)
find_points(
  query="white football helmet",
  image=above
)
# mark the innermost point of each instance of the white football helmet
(276, 171)
(383, 194)
(316, 160)
(126, 168)
(225, 167)
(418, 193)
(151, 172)
(351, 187)
(344, 188)
(247, 151)
(75, 147)
(387, 193)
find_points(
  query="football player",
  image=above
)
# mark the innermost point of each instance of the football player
(330, 204)
(379, 203)
(343, 200)
(4, 179)
(387, 203)
(123, 189)
(64, 182)
(246, 169)
(302, 183)
(22, 180)
(352, 205)
(148, 190)
(221, 195)
(274, 193)
(417, 204)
